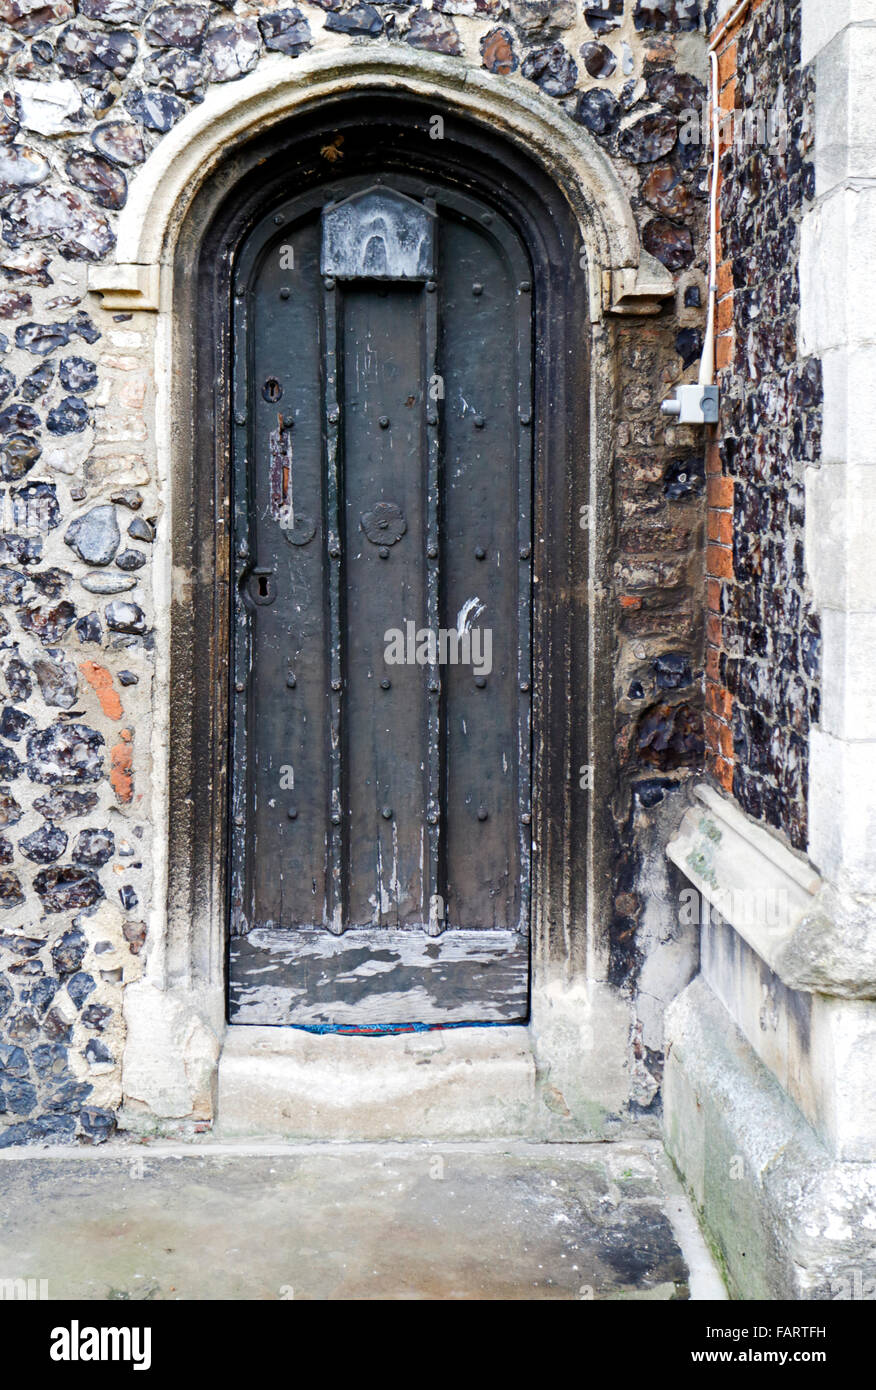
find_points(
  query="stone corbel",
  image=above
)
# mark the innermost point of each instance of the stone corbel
(126, 287)
(638, 289)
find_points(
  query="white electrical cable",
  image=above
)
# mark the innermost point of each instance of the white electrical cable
(728, 23)
(707, 362)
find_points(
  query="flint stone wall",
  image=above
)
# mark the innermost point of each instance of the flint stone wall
(87, 89)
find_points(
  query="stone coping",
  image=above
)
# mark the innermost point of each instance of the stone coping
(757, 885)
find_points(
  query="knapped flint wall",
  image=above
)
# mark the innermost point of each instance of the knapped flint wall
(90, 88)
(763, 653)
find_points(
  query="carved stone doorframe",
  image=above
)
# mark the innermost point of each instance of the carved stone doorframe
(188, 207)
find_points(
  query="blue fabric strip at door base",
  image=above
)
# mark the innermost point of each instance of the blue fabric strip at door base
(378, 1030)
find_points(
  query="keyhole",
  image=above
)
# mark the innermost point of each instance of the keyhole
(272, 390)
(263, 586)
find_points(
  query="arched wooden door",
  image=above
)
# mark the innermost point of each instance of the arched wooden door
(381, 664)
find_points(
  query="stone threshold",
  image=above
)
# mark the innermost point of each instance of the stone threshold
(465, 1083)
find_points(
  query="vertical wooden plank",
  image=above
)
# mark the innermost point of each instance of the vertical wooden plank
(384, 590)
(485, 589)
(287, 711)
(280, 661)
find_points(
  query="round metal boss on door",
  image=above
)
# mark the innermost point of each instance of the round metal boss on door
(301, 530)
(384, 524)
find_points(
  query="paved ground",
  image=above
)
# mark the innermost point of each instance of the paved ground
(513, 1221)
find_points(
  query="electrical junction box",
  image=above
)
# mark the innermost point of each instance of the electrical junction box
(693, 405)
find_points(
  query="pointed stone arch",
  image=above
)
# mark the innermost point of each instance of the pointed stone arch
(163, 190)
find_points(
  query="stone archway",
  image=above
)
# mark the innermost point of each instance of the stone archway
(477, 1084)
(230, 116)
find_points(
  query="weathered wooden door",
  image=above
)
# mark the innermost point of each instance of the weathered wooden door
(380, 832)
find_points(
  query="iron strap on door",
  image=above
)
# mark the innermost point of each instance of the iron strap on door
(524, 595)
(437, 914)
(241, 645)
(335, 916)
